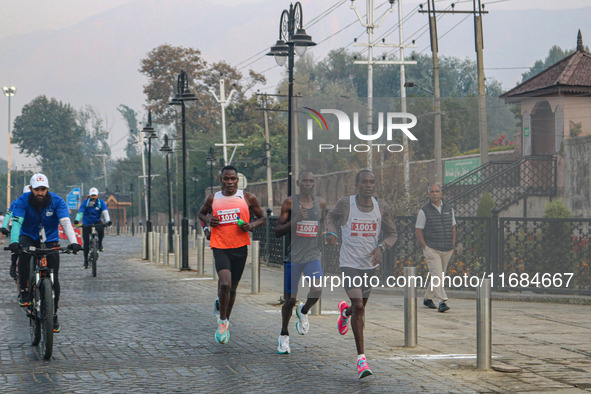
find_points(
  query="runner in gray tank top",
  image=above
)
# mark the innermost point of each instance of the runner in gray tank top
(302, 217)
(361, 219)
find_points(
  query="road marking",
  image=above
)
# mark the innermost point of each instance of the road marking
(323, 312)
(435, 357)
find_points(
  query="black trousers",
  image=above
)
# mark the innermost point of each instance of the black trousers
(25, 266)
(86, 238)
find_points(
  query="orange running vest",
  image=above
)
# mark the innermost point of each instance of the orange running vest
(227, 235)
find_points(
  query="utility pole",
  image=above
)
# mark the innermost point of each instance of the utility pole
(104, 156)
(223, 101)
(370, 26)
(481, 89)
(482, 126)
(268, 156)
(405, 154)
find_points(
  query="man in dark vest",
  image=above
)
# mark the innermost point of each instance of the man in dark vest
(436, 232)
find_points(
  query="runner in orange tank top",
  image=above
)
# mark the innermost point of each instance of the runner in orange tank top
(227, 214)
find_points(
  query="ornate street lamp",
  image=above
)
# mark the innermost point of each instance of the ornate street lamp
(117, 192)
(131, 190)
(292, 37)
(290, 40)
(151, 134)
(167, 152)
(8, 92)
(184, 98)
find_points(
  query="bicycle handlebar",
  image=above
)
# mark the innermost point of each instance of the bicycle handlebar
(33, 250)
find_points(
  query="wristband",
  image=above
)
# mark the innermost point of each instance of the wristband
(383, 248)
(328, 232)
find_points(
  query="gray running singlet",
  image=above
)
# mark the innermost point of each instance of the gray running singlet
(303, 240)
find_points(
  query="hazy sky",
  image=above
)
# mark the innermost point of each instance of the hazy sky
(31, 16)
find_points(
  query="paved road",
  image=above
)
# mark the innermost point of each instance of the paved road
(145, 327)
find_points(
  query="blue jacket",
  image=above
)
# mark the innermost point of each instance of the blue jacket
(48, 218)
(91, 211)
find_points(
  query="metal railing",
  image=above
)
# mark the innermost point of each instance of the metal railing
(506, 181)
(511, 251)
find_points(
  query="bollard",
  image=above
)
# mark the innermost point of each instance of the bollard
(256, 271)
(150, 237)
(177, 250)
(316, 309)
(158, 248)
(201, 255)
(144, 257)
(410, 307)
(165, 256)
(483, 326)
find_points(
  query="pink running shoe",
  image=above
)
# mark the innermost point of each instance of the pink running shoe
(362, 368)
(343, 322)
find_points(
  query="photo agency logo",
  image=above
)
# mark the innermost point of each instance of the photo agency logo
(394, 121)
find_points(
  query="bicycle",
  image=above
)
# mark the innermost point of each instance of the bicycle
(40, 310)
(94, 245)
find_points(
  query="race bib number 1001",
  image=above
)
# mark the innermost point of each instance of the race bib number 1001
(364, 228)
(307, 228)
(228, 216)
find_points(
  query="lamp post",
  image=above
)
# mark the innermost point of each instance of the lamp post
(184, 98)
(8, 92)
(437, 130)
(132, 220)
(151, 134)
(210, 161)
(292, 38)
(195, 179)
(117, 191)
(167, 151)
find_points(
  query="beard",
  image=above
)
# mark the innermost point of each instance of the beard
(37, 204)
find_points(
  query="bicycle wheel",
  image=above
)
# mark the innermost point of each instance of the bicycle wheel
(94, 254)
(46, 319)
(34, 322)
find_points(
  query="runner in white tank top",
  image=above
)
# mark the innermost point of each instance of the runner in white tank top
(361, 218)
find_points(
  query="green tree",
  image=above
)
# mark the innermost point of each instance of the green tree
(130, 117)
(555, 54)
(557, 252)
(47, 129)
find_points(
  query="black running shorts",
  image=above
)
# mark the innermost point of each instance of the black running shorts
(231, 259)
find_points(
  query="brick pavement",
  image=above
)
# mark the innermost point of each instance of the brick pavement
(139, 326)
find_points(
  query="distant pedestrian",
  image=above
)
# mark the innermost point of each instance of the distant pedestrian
(361, 218)
(436, 232)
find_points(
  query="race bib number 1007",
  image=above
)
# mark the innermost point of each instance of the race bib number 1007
(307, 228)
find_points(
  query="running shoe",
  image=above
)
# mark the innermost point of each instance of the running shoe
(222, 335)
(216, 308)
(24, 299)
(283, 344)
(56, 325)
(302, 326)
(343, 322)
(362, 368)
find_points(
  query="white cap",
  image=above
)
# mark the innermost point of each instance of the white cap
(93, 191)
(27, 189)
(39, 180)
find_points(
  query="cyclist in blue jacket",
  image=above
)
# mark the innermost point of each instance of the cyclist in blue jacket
(35, 220)
(92, 211)
(5, 229)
